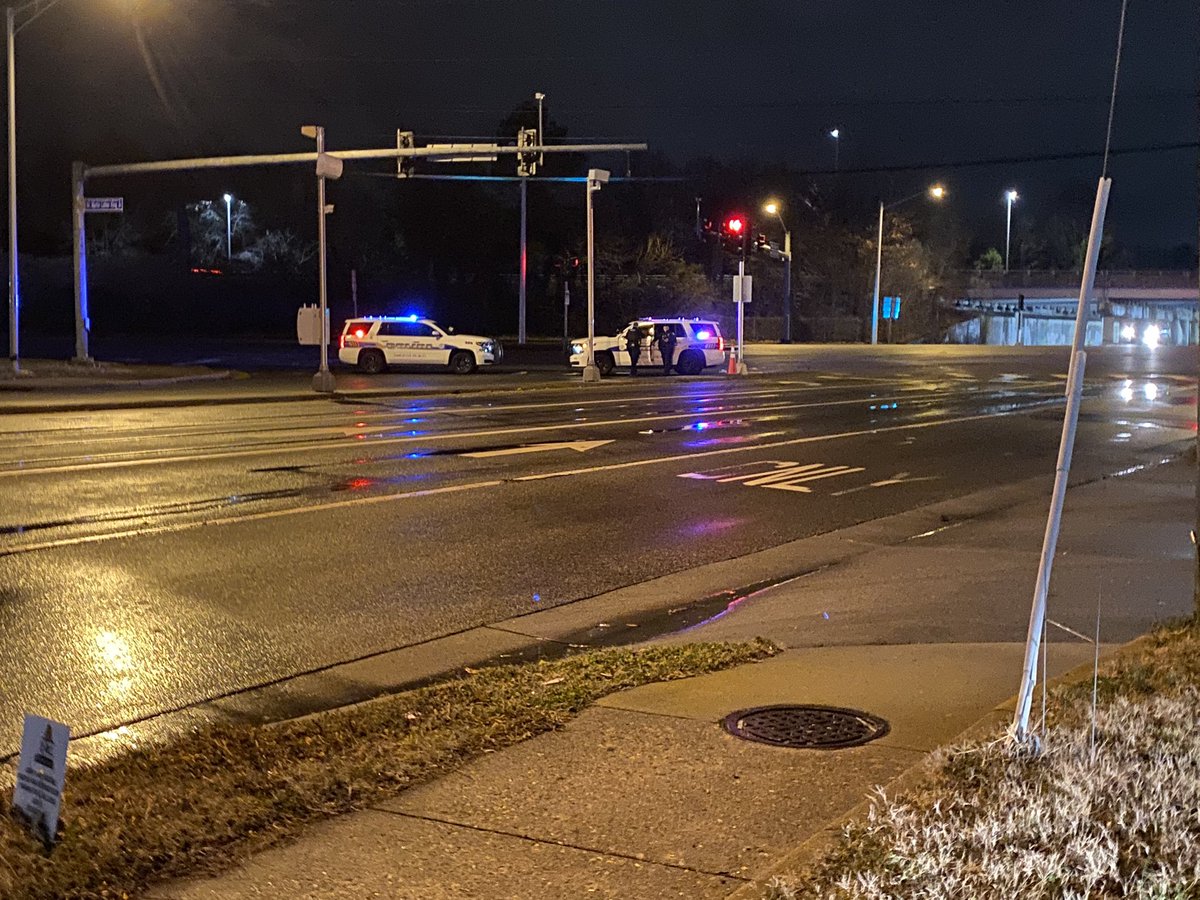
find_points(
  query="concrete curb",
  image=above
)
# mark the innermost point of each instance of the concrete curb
(812, 849)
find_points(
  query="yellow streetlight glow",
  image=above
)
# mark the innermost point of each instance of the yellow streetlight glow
(771, 208)
(937, 192)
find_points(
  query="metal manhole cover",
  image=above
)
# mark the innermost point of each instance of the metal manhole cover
(811, 727)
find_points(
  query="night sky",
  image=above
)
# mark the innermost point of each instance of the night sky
(935, 82)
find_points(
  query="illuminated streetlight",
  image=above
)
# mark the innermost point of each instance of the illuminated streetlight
(1010, 197)
(935, 192)
(836, 134)
(771, 208)
(229, 226)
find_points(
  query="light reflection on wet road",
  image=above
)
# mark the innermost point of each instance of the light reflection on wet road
(184, 553)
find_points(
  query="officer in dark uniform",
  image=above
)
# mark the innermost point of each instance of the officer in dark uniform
(633, 345)
(666, 346)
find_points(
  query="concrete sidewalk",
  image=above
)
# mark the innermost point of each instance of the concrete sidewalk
(645, 795)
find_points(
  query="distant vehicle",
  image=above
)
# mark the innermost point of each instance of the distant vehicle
(698, 346)
(372, 343)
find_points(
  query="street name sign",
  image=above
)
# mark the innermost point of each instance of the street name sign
(41, 774)
(104, 204)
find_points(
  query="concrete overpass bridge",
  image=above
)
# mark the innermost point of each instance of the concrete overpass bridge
(1038, 308)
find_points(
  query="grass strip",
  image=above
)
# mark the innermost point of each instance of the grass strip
(992, 820)
(202, 802)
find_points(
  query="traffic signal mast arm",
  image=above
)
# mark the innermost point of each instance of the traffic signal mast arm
(275, 159)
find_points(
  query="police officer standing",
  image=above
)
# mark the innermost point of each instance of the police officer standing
(666, 346)
(633, 345)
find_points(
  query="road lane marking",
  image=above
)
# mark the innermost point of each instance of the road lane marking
(578, 446)
(785, 476)
(249, 517)
(791, 442)
(469, 486)
(898, 478)
(39, 467)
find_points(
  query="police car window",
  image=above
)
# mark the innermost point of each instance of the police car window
(703, 328)
(406, 329)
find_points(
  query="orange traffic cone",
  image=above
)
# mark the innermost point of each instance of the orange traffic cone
(732, 370)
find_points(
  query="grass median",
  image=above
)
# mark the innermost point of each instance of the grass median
(202, 802)
(990, 820)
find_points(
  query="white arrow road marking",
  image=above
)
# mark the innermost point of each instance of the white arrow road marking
(785, 476)
(898, 478)
(579, 446)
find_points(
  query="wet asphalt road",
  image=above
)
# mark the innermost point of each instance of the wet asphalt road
(155, 558)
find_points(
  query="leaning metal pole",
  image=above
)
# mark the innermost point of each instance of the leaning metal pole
(14, 275)
(1037, 615)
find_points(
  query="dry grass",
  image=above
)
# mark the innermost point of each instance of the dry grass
(993, 822)
(205, 801)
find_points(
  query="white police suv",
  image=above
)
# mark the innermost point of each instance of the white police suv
(373, 343)
(698, 346)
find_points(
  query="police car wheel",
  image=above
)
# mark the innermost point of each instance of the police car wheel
(462, 362)
(605, 362)
(371, 362)
(690, 363)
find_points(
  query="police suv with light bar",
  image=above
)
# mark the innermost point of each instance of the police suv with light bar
(373, 343)
(698, 346)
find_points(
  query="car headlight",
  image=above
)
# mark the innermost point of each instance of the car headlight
(576, 349)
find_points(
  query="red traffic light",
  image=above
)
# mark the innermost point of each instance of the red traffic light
(735, 225)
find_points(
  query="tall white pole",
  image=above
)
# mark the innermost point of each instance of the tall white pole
(787, 286)
(228, 226)
(741, 313)
(83, 325)
(1037, 614)
(524, 266)
(590, 372)
(878, 272)
(323, 380)
(14, 276)
(1008, 228)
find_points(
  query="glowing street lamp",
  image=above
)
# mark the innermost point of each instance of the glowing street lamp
(1010, 197)
(836, 134)
(935, 192)
(229, 226)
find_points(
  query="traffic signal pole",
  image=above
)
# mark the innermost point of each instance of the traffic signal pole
(524, 264)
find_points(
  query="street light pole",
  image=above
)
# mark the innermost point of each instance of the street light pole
(878, 273)
(14, 282)
(596, 177)
(836, 134)
(229, 226)
(1010, 196)
(772, 209)
(936, 192)
(14, 271)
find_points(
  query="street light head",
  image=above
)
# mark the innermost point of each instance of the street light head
(835, 133)
(1011, 196)
(937, 192)
(309, 131)
(539, 96)
(771, 207)
(229, 198)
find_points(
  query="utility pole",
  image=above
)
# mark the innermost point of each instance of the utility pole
(523, 263)
(327, 166)
(566, 310)
(14, 274)
(83, 326)
(595, 178)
